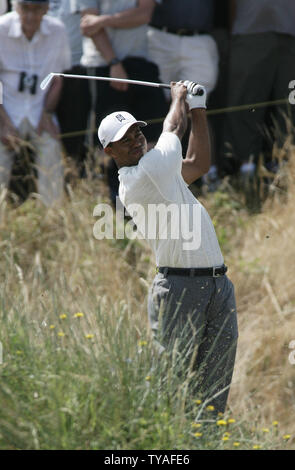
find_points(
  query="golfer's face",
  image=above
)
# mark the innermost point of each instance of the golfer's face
(129, 150)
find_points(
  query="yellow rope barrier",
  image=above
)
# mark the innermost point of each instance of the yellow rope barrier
(210, 112)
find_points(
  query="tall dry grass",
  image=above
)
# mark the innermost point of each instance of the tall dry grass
(52, 266)
(261, 266)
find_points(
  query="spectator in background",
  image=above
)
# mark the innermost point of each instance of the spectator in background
(181, 45)
(3, 6)
(32, 45)
(218, 99)
(262, 63)
(74, 105)
(116, 45)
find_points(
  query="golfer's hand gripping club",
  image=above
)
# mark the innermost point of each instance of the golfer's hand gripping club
(196, 95)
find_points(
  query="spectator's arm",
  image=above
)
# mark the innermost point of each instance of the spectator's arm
(8, 133)
(130, 18)
(104, 46)
(197, 160)
(53, 95)
(46, 123)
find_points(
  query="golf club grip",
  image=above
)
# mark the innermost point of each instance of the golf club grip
(199, 91)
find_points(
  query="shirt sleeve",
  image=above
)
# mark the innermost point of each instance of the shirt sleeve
(163, 163)
(64, 57)
(165, 159)
(3, 6)
(85, 4)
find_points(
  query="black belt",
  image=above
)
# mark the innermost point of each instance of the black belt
(191, 272)
(180, 31)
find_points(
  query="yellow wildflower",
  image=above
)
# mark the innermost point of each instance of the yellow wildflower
(231, 421)
(196, 425)
(256, 446)
(225, 438)
(221, 422)
(198, 434)
(227, 434)
(79, 315)
(60, 334)
(142, 343)
(89, 336)
(63, 316)
(19, 353)
(198, 402)
(210, 408)
(52, 327)
(236, 444)
(148, 378)
(265, 430)
(286, 436)
(220, 414)
(275, 423)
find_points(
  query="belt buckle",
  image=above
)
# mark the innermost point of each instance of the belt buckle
(214, 273)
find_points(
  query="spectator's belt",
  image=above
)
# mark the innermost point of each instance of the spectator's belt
(191, 272)
(179, 32)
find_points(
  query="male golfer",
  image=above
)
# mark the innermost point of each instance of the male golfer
(191, 299)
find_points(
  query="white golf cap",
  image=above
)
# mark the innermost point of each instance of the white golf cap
(114, 126)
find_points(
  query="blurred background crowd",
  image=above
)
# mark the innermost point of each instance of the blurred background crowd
(242, 51)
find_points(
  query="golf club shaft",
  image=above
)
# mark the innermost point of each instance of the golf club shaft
(120, 80)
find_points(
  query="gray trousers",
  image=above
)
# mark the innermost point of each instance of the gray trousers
(195, 319)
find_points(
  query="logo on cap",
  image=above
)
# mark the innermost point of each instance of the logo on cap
(120, 118)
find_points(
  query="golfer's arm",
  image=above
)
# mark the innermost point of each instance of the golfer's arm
(176, 119)
(132, 17)
(198, 157)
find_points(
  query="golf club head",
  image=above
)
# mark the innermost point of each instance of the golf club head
(44, 84)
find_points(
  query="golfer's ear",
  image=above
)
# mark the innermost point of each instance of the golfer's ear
(108, 150)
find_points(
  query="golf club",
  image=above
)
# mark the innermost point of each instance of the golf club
(196, 90)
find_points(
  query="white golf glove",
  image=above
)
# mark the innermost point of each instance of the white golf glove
(195, 101)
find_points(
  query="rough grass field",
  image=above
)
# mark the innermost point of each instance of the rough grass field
(78, 367)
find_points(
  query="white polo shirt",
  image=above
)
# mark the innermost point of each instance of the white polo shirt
(48, 51)
(182, 236)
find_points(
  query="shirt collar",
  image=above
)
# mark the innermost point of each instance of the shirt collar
(15, 30)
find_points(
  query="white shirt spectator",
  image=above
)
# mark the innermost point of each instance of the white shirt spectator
(126, 42)
(48, 51)
(68, 12)
(3, 6)
(157, 180)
